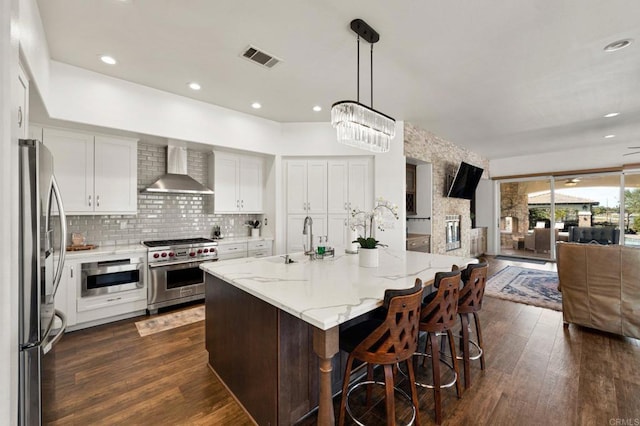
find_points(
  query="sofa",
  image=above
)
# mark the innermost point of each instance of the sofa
(539, 240)
(600, 286)
(599, 234)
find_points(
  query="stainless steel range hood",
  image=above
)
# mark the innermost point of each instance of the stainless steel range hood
(177, 181)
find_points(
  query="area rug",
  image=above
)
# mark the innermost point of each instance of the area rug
(170, 320)
(524, 285)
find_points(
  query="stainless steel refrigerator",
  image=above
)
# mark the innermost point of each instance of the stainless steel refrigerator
(40, 273)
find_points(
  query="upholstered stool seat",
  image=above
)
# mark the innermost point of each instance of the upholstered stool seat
(385, 342)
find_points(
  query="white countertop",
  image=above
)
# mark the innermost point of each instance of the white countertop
(234, 240)
(106, 250)
(331, 291)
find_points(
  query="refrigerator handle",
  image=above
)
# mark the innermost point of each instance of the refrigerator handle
(58, 335)
(63, 235)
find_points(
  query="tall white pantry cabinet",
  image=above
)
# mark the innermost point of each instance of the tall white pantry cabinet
(327, 190)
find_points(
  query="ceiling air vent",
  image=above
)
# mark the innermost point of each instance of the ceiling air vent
(256, 55)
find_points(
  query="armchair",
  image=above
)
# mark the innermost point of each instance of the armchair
(539, 240)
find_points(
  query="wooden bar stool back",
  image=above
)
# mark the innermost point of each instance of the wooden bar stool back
(474, 278)
(385, 342)
(438, 317)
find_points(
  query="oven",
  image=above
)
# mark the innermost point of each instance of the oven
(174, 274)
(111, 276)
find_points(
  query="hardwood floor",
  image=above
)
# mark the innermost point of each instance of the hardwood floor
(538, 372)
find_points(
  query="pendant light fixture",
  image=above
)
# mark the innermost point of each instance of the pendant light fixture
(356, 124)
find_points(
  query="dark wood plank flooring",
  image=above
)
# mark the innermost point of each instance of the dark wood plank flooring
(538, 372)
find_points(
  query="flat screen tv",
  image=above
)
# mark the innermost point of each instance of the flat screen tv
(465, 181)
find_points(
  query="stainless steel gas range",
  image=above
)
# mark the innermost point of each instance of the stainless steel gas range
(174, 273)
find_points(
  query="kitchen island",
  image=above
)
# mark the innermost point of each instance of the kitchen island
(265, 319)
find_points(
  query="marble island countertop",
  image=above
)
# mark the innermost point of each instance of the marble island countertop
(328, 292)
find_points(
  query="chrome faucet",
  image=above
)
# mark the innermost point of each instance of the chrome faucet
(308, 231)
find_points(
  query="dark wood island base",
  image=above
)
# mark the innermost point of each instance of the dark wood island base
(266, 356)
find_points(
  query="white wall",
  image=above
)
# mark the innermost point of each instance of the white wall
(486, 212)
(9, 200)
(607, 155)
(86, 97)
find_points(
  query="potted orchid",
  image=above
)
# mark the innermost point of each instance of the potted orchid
(368, 221)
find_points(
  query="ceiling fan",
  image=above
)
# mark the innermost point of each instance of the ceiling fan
(632, 153)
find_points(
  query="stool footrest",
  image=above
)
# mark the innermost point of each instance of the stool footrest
(373, 382)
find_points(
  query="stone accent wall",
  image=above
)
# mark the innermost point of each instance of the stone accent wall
(514, 202)
(161, 216)
(445, 158)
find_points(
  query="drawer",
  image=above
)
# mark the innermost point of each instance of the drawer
(260, 253)
(99, 302)
(258, 245)
(232, 255)
(232, 248)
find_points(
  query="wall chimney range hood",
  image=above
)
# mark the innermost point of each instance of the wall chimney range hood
(177, 181)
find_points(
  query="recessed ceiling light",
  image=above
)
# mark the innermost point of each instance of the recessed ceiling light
(611, 114)
(317, 108)
(108, 59)
(617, 45)
(610, 136)
(194, 86)
(256, 105)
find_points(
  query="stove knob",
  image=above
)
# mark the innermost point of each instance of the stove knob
(163, 254)
(156, 255)
(171, 254)
(199, 251)
(206, 250)
(193, 253)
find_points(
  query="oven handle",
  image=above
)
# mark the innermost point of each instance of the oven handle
(182, 265)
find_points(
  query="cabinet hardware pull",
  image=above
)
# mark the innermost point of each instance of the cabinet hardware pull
(71, 268)
(20, 116)
(89, 200)
(345, 222)
(113, 300)
(345, 206)
(238, 204)
(97, 201)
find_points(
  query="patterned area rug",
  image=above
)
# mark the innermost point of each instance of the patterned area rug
(170, 320)
(529, 286)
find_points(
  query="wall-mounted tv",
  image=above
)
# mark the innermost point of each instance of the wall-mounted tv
(465, 181)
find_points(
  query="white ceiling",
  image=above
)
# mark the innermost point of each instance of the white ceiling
(502, 78)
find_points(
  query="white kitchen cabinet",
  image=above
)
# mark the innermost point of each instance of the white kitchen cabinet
(234, 250)
(96, 174)
(237, 182)
(89, 311)
(240, 249)
(349, 189)
(306, 187)
(65, 300)
(295, 225)
(262, 248)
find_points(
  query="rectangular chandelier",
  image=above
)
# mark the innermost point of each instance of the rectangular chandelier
(356, 124)
(362, 127)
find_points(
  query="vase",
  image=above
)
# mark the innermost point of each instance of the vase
(368, 258)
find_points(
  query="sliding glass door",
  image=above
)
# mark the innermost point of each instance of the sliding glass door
(535, 213)
(525, 205)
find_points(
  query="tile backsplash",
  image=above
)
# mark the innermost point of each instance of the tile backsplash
(161, 216)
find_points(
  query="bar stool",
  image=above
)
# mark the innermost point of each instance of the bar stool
(437, 317)
(385, 342)
(474, 278)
